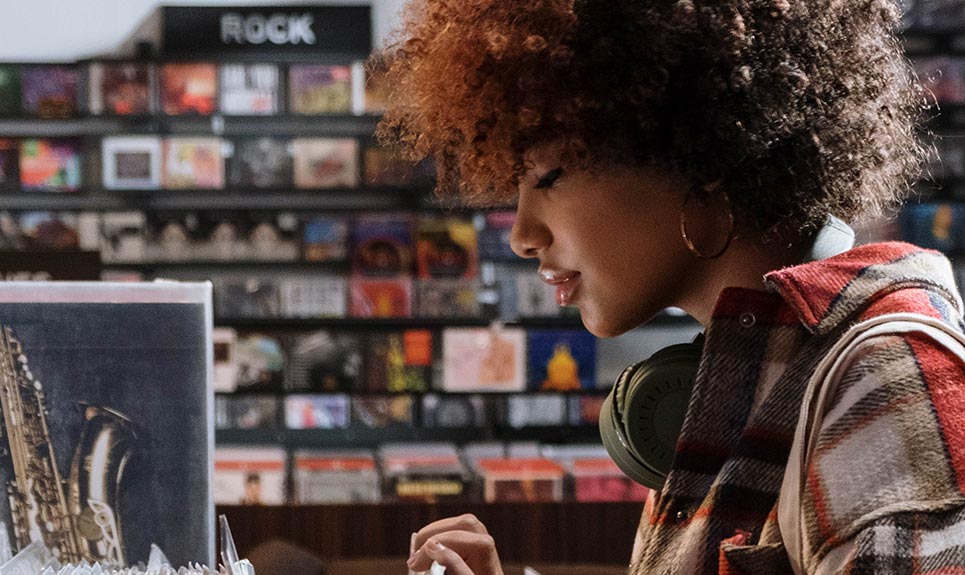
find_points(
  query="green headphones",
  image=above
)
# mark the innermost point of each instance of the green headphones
(641, 417)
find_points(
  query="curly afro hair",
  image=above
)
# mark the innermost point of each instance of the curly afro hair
(798, 107)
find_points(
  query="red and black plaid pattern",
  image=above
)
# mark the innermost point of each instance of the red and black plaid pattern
(885, 488)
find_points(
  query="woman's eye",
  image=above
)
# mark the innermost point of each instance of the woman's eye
(549, 179)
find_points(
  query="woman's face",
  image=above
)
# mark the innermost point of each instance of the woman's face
(609, 240)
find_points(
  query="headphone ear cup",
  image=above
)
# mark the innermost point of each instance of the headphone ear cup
(641, 418)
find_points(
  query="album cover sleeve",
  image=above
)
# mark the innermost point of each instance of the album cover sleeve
(385, 167)
(534, 297)
(398, 361)
(379, 412)
(249, 476)
(335, 477)
(326, 361)
(380, 297)
(225, 341)
(454, 411)
(324, 239)
(49, 164)
(57, 231)
(261, 362)
(122, 237)
(423, 472)
(120, 88)
(483, 359)
(9, 164)
(112, 417)
(535, 410)
(935, 225)
(131, 162)
(189, 88)
(599, 479)
(317, 411)
(251, 411)
(515, 480)
(10, 90)
(382, 245)
(446, 248)
(247, 297)
(193, 163)
(250, 89)
(317, 296)
(326, 162)
(585, 409)
(261, 163)
(49, 91)
(319, 89)
(447, 297)
(561, 359)
(493, 235)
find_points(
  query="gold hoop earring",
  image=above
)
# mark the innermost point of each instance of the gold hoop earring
(690, 244)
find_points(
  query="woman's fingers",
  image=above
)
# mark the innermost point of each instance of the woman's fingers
(467, 522)
(457, 550)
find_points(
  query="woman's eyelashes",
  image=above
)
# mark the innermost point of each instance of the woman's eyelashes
(549, 179)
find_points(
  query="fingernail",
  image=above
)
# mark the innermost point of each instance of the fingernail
(436, 546)
(410, 562)
(412, 544)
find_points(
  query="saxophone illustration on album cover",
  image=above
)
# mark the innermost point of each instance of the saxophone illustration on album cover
(77, 518)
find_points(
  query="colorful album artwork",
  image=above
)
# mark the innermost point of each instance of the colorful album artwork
(380, 297)
(326, 162)
(9, 163)
(398, 361)
(317, 411)
(49, 91)
(131, 162)
(325, 361)
(10, 90)
(446, 248)
(249, 89)
(324, 239)
(249, 475)
(484, 359)
(120, 88)
(261, 362)
(261, 163)
(56, 231)
(381, 412)
(561, 359)
(94, 399)
(447, 297)
(50, 165)
(314, 296)
(189, 88)
(319, 89)
(193, 163)
(382, 246)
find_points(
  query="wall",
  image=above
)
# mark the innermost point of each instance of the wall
(67, 30)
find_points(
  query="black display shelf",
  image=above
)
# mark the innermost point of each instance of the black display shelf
(918, 41)
(372, 438)
(597, 391)
(363, 324)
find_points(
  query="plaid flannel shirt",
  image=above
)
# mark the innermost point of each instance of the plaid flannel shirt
(886, 486)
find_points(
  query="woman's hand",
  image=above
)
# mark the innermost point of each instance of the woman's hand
(461, 544)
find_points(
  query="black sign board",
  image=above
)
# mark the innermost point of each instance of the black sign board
(47, 266)
(198, 31)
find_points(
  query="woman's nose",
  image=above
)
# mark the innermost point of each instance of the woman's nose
(529, 237)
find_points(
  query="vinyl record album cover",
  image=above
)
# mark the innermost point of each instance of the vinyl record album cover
(49, 91)
(398, 361)
(386, 167)
(446, 248)
(375, 412)
(380, 297)
(326, 162)
(9, 90)
(493, 235)
(131, 162)
(561, 359)
(106, 443)
(317, 411)
(120, 88)
(335, 477)
(52, 165)
(9, 164)
(59, 231)
(535, 410)
(260, 163)
(239, 297)
(314, 296)
(225, 359)
(382, 246)
(250, 475)
(261, 362)
(189, 88)
(447, 297)
(319, 89)
(324, 238)
(325, 361)
(123, 237)
(249, 89)
(453, 411)
(193, 163)
(483, 359)
(253, 411)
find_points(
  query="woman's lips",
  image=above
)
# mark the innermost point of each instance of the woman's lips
(566, 283)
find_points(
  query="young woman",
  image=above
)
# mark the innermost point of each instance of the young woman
(686, 153)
